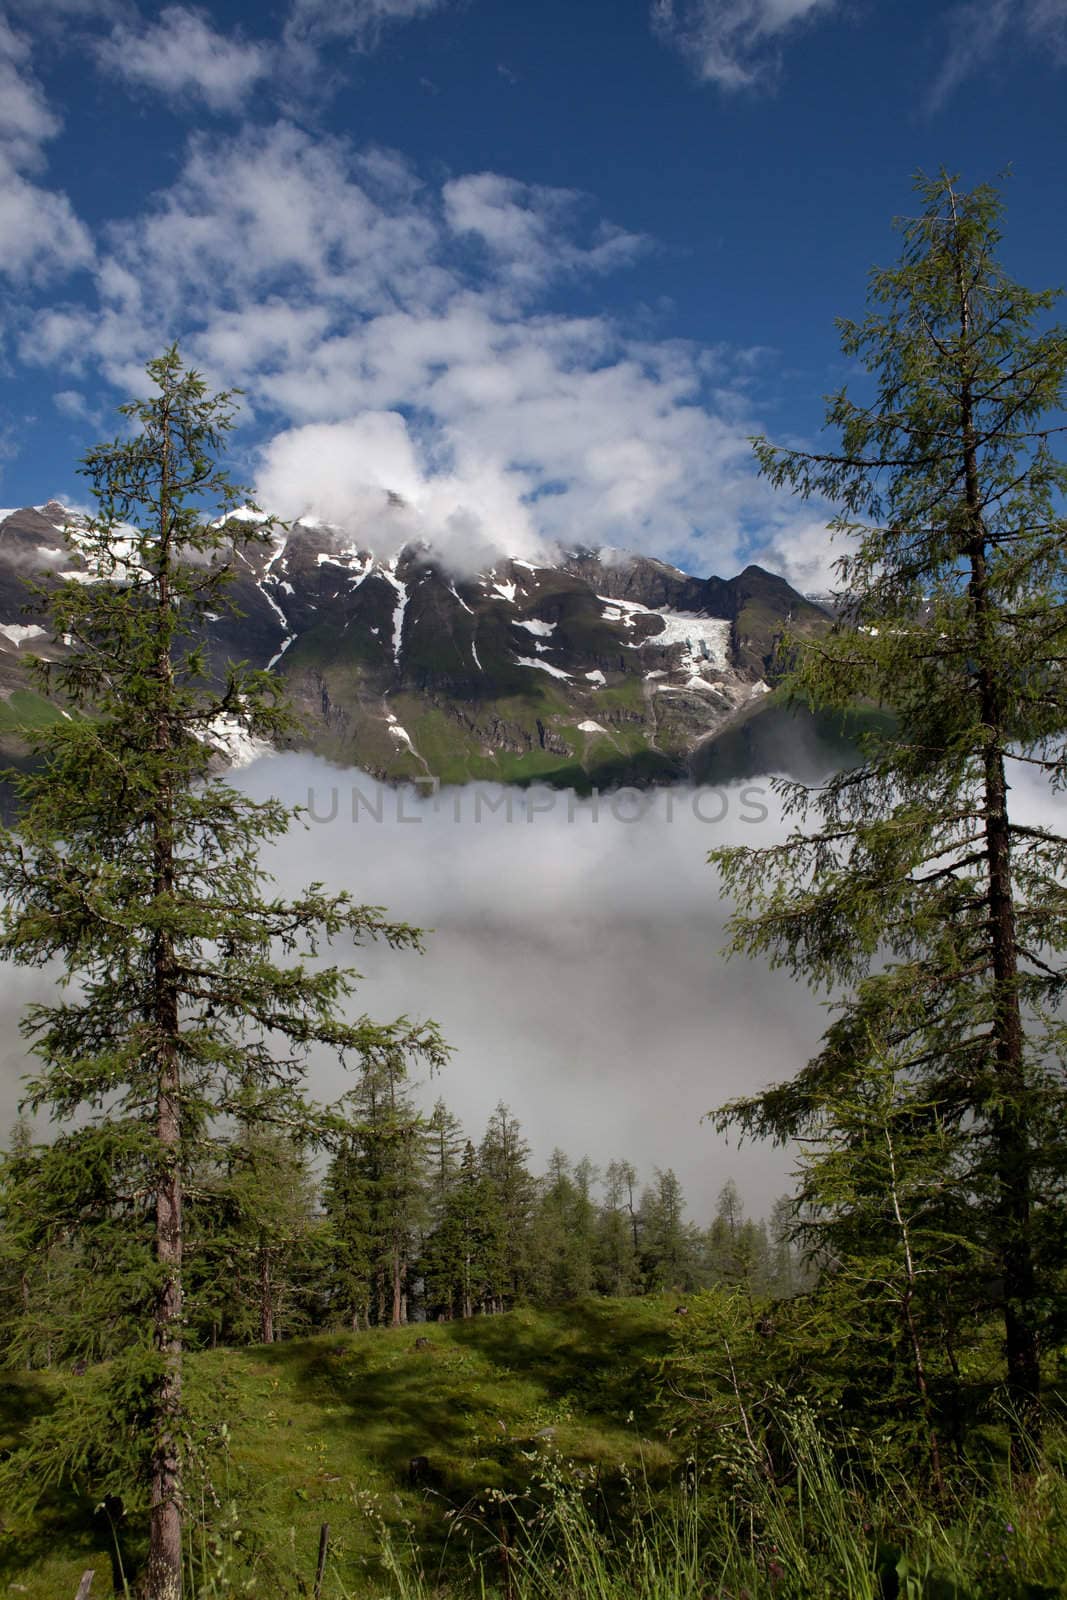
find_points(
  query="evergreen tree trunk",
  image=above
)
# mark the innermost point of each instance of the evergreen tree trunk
(1009, 1121)
(266, 1302)
(397, 1312)
(165, 1532)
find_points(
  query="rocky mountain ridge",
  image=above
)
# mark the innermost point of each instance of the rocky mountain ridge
(601, 668)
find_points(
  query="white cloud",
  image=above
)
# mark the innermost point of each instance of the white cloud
(805, 553)
(72, 403)
(350, 473)
(340, 293)
(26, 120)
(40, 236)
(975, 34)
(523, 227)
(360, 22)
(607, 912)
(734, 44)
(183, 56)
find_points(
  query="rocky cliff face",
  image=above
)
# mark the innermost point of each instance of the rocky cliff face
(599, 669)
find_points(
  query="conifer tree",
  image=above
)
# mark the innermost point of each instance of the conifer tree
(669, 1247)
(463, 1257)
(786, 1272)
(349, 1239)
(885, 1193)
(43, 1299)
(563, 1229)
(736, 1247)
(189, 999)
(252, 1241)
(444, 1152)
(615, 1254)
(376, 1193)
(446, 1172)
(504, 1160)
(920, 889)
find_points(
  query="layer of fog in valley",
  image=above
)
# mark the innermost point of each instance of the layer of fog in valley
(574, 961)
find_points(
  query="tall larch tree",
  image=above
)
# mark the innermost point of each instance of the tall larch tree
(463, 1255)
(191, 999)
(670, 1247)
(615, 1251)
(917, 885)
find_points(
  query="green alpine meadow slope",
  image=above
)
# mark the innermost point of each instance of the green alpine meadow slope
(327, 1429)
(547, 1455)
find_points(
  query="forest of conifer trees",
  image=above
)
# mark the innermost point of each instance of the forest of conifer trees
(409, 1220)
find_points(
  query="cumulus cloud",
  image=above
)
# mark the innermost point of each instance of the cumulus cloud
(976, 33)
(735, 44)
(183, 56)
(367, 475)
(341, 293)
(805, 553)
(524, 228)
(40, 235)
(72, 403)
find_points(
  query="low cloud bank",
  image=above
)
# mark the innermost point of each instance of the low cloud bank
(575, 959)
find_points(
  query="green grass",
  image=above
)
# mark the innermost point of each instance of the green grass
(24, 708)
(324, 1430)
(548, 1478)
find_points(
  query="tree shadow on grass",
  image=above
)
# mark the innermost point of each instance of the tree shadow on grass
(471, 1411)
(600, 1355)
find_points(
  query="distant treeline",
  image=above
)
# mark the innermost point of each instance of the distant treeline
(412, 1221)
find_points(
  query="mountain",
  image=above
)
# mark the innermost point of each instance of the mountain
(601, 668)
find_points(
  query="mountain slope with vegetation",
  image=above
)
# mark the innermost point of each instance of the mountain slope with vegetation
(600, 669)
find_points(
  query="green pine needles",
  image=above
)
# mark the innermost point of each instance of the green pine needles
(921, 892)
(193, 994)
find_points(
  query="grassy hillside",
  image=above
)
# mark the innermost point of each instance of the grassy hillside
(537, 1438)
(325, 1431)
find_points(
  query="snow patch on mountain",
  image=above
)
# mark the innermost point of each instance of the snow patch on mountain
(236, 743)
(623, 611)
(543, 666)
(19, 633)
(402, 601)
(535, 626)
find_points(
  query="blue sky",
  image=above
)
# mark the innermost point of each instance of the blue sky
(540, 268)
